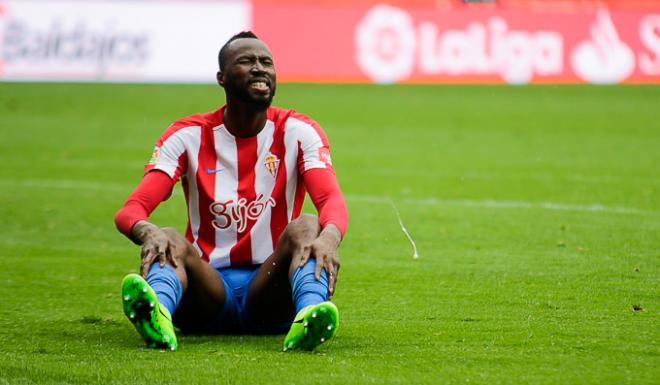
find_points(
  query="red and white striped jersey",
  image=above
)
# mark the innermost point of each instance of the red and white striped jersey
(241, 192)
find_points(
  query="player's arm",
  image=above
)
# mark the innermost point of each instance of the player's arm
(167, 164)
(315, 166)
(322, 186)
(132, 219)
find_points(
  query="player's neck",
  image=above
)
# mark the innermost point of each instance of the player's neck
(243, 121)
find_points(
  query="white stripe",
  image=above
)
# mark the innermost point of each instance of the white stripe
(484, 203)
(173, 148)
(226, 187)
(310, 142)
(291, 161)
(261, 240)
(194, 141)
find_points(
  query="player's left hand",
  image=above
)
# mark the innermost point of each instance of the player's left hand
(324, 250)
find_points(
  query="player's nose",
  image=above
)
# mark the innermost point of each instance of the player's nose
(257, 67)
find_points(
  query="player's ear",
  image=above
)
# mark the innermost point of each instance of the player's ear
(220, 77)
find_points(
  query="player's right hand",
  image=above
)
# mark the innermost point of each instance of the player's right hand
(156, 245)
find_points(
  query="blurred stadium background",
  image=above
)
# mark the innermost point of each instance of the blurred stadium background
(535, 208)
(418, 41)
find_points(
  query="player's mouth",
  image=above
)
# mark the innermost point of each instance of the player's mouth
(259, 86)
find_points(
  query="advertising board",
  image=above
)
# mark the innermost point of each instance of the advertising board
(364, 41)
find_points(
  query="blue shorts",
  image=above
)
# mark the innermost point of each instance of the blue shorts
(233, 318)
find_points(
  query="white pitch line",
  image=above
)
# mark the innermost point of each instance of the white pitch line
(494, 176)
(72, 184)
(65, 184)
(484, 203)
(504, 204)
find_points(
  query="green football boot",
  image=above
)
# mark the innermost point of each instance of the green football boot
(312, 326)
(151, 319)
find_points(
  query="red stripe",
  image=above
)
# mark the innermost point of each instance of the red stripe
(186, 193)
(183, 165)
(278, 218)
(206, 187)
(241, 253)
(299, 199)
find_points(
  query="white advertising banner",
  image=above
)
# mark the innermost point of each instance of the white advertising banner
(124, 41)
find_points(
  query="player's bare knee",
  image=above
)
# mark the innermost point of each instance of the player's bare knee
(304, 228)
(307, 223)
(182, 249)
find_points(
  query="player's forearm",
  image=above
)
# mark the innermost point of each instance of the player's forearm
(126, 218)
(153, 189)
(332, 234)
(327, 197)
(142, 230)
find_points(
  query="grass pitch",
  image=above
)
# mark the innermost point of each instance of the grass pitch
(536, 211)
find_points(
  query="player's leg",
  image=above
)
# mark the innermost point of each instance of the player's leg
(203, 290)
(269, 298)
(194, 284)
(281, 288)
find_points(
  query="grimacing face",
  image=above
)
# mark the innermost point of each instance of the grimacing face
(249, 72)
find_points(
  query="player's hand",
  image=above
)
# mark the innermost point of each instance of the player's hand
(324, 250)
(156, 245)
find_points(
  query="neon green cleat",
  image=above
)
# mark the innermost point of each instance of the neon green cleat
(151, 319)
(312, 326)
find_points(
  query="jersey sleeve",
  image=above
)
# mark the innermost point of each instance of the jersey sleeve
(313, 146)
(170, 155)
(154, 188)
(315, 166)
(322, 186)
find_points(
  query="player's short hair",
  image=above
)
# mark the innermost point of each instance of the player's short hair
(223, 51)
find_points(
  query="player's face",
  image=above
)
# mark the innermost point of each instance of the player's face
(249, 73)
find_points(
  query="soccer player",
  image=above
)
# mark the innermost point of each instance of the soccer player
(249, 262)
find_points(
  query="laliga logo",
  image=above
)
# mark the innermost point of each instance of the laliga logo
(226, 213)
(385, 42)
(390, 47)
(605, 58)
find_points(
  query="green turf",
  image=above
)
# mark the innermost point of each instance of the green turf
(536, 211)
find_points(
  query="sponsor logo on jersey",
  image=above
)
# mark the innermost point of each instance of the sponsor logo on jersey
(213, 171)
(229, 212)
(324, 155)
(154, 155)
(272, 164)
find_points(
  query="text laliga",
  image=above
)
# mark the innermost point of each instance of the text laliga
(391, 46)
(226, 212)
(490, 48)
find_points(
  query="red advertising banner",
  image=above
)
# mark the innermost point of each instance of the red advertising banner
(367, 41)
(421, 42)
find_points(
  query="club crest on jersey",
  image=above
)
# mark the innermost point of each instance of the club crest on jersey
(324, 155)
(272, 164)
(154, 155)
(239, 212)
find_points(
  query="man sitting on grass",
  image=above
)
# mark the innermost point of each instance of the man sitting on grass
(249, 262)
